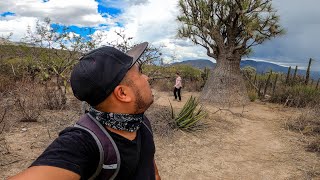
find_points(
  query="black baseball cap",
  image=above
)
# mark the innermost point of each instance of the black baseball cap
(98, 72)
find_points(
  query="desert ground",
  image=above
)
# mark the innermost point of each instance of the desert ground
(249, 142)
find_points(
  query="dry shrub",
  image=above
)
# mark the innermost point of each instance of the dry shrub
(314, 145)
(6, 106)
(6, 84)
(308, 123)
(296, 96)
(193, 85)
(54, 98)
(253, 95)
(161, 121)
(3, 113)
(167, 84)
(28, 101)
(162, 85)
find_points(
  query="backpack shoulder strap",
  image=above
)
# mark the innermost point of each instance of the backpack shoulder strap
(147, 124)
(109, 163)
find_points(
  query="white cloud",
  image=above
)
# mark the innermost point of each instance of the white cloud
(67, 12)
(17, 26)
(155, 21)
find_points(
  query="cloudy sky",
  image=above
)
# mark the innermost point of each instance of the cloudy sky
(155, 21)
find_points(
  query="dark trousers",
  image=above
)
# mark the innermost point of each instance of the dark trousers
(177, 93)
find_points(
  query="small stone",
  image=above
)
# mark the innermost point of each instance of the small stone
(24, 129)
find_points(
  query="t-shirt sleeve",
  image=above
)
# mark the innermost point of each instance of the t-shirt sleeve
(74, 150)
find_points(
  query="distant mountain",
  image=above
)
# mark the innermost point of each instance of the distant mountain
(260, 66)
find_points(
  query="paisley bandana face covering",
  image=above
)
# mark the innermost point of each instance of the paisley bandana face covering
(124, 122)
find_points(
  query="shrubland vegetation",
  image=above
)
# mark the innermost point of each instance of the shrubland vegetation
(290, 90)
(163, 77)
(34, 76)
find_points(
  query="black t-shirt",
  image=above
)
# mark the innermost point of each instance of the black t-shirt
(129, 153)
(76, 150)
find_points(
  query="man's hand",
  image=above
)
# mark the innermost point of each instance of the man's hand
(45, 172)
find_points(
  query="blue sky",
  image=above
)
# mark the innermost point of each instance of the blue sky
(155, 21)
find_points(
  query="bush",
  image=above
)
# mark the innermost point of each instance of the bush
(7, 84)
(162, 84)
(54, 99)
(163, 77)
(314, 146)
(308, 123)
(253, 95)
(297, 96)
(28, 101)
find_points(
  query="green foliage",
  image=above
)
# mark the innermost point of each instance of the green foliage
(253, 95)
(189, 115)
(249, 70)
(163, 77)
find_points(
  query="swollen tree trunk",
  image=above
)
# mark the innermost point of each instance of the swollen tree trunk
(225, 85)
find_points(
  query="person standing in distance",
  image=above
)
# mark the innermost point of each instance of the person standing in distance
(177, 87)
(111, 82)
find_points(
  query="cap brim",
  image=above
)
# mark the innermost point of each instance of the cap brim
(137, 51)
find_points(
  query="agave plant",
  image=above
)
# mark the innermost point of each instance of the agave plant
(189, 116)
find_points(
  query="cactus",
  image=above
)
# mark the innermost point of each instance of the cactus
(259, 88)
(295, 73)
(205, 74)
(288, 75)
(317, 83)
(275, 84)
(308, 72)
(267, 83)
(255, 79)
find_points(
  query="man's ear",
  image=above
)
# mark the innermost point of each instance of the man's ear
(122, 93)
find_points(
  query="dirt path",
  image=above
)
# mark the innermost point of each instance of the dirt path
(248, 143)
(239, 145)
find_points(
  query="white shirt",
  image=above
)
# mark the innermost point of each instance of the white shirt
(178, 82)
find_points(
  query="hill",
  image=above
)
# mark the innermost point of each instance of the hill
(260, 66)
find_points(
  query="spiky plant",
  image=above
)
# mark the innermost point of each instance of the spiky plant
(189, 116)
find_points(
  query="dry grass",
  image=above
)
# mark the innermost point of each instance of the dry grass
(7, 84)
(308, 124)
(162, 123)
(28, 98)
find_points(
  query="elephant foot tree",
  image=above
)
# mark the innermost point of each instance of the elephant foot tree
(227, 29)
(225, 85)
